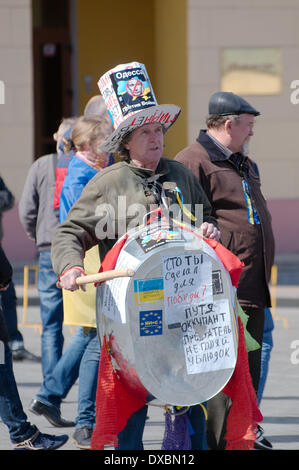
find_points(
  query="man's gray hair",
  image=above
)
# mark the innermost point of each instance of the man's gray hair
(122, 151)
(95, 106)
(213, 121)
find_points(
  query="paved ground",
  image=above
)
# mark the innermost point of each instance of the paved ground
(280, 405)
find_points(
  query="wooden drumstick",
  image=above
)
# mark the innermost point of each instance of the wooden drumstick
(104, 276)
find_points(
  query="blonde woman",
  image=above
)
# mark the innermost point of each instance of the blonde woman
(87, 135)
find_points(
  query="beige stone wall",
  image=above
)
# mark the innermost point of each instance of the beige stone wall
(217, 24)
(16, 113)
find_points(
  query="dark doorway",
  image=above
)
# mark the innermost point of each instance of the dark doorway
(52, 70)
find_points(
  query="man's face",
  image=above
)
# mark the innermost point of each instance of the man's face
(134, 87)
(240, 132)
(146, 145)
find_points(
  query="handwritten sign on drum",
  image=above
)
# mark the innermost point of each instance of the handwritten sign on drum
(208, 337)
(187, 281)
(206, 324)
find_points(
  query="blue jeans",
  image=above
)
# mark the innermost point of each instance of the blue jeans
(9, 306)
(267, 345)
(88, 380)
(130, 438)
(197, 424)
(80, 359)
(11, 408)
(51, 310)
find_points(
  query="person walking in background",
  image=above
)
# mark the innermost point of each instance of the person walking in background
(62, 137)
(40, 220)
(219, 159)
(267, 346)
(81, 358)
(23, 434)
(87, 135)
(8, 296)
(95, 106)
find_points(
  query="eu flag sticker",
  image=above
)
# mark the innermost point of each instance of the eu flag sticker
(150, 322)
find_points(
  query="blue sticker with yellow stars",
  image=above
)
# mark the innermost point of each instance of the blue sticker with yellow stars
(150, 322)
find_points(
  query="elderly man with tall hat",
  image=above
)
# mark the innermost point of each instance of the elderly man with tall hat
(219, 160)
(139, 136)
(141, 177)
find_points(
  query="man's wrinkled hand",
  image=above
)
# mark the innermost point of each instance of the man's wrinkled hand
(67, 279)
(210, 231)
(4, 288)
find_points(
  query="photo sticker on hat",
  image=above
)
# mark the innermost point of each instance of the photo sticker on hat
(132, 90)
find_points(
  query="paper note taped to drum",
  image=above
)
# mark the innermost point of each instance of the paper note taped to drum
(207, 332)
(208, 337)
(115, 290)
(187, 281)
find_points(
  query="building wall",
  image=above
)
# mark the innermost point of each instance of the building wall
(16, 115)
(109, 35)
(217, 24)
(171, 66)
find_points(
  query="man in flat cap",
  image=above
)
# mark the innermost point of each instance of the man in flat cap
(218, 158)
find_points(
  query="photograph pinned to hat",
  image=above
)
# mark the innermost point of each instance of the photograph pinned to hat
(131, 102)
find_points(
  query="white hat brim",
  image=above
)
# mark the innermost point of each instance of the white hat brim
(165, 114)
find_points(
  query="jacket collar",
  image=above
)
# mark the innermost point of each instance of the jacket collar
(162, 169)
(213, 150)
(216, 154)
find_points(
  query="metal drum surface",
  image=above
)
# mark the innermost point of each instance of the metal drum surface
(172, 326)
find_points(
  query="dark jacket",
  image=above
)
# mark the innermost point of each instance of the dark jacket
(223, 181)
(36, 211)
(5, 278)
(7, 201)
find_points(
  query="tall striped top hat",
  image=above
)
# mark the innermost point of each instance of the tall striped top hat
(131, 102)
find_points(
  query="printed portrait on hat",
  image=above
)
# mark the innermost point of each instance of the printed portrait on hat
(132, 89)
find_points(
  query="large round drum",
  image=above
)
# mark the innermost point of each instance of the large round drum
(172, 326)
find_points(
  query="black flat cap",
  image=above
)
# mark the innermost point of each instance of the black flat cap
(224, 103)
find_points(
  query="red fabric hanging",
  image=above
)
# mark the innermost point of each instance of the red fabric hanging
(244, 413)
(114, 405)
(110, 259)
